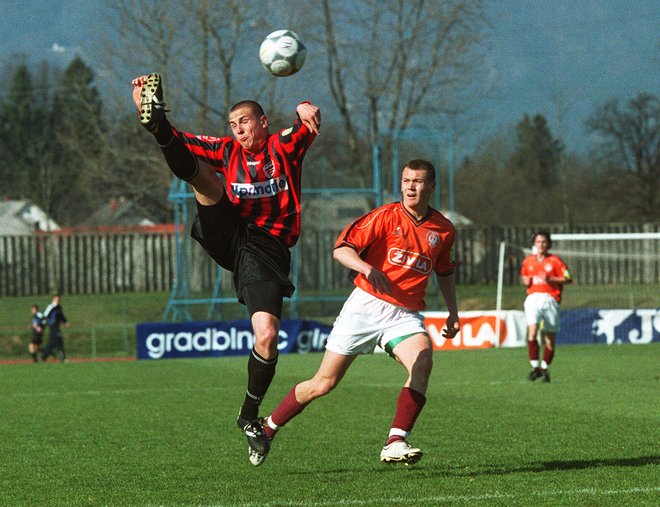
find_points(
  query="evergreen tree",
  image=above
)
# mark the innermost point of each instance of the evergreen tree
(538, 154)
(18, 132)
(79, 132)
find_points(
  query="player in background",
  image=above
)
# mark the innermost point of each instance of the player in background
(247, 190)
(54, 317)
(37, 328)
(394, 249)
(544, 275)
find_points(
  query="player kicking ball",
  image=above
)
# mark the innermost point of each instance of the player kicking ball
(247, 189)
(393, 249)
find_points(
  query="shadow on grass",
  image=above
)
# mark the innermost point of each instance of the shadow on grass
(546, 466)
(476, 470)
(593, 463)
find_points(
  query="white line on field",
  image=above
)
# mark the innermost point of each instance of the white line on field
(447, 498)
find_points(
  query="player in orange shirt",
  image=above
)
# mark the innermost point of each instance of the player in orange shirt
(393, 249)
(544, 275)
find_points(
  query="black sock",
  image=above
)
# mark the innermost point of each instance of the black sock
(164, 133)
(179, 159)
(34, 356)
(260, 374)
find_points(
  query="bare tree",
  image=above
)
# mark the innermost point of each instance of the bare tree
(196, 46)
(199, 46)
(221, 37)
(394, 63)
(629, 147)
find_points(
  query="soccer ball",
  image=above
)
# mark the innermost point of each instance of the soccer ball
(282, 53)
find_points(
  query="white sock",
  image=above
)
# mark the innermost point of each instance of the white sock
(271, 424)
(398, 432)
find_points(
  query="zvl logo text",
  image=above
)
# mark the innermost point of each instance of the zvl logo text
(410, 260)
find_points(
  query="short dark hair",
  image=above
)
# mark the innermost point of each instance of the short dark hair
(543, 233)
(419, 164)
(255, 107)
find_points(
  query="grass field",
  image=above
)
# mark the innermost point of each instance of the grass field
(163, 433)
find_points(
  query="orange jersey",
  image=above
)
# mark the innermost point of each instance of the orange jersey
(406, 250)
(551, 265)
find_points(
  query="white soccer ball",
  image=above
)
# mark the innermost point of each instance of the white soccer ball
(282, 53)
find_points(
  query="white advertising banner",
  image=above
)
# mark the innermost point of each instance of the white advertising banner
(479, 330)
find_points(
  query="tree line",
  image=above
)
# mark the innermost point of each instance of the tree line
(69, 141)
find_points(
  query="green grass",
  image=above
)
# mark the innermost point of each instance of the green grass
(163, 433)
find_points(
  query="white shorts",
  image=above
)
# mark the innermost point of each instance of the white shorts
(541, 307)
(366, 322)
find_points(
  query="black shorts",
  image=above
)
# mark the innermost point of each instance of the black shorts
(37, 339)
(253, 255)
(264, 297)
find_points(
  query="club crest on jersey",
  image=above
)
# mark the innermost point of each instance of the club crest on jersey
(409, 260)
(432, 238)
(269, 169)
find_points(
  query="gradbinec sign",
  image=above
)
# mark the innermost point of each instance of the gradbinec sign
(164, 340)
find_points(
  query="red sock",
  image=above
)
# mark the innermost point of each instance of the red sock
(548, 354)
(288, 408)
(533, 350)
(408, 407)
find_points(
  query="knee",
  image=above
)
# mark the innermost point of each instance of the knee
(265, 343)
(322, 386)
(266, 334)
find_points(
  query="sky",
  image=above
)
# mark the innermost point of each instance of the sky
(558, 58)
(564, 58)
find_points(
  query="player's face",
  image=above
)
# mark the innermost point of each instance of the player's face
(541, 244)
(416, 190)
(250, 132)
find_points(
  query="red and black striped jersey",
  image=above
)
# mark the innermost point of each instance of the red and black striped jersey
(264, 186)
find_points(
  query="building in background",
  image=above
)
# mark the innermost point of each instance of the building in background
(21, 217)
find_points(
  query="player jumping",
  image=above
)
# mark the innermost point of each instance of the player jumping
(248, 223)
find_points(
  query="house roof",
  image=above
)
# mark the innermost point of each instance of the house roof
(119, 212)
(21, 217)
